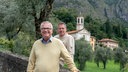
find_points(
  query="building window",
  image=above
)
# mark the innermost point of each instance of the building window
(78, 20)
(81, 20)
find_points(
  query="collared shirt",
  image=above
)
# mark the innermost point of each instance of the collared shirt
(68, 41)
(46, 42)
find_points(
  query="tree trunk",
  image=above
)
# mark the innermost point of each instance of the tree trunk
(44, 15)
(104, 63)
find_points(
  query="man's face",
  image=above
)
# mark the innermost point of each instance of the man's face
(46, 30)
(61, 30)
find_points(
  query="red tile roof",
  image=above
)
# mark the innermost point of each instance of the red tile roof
(74, 31)
(107, 40)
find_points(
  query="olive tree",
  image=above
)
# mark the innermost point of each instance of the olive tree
(83, 52)
(120, 57)
(102, 54)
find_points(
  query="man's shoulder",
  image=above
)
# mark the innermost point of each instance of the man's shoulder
(69, 36)
(56, 36)
(38, 40)
(56, 39)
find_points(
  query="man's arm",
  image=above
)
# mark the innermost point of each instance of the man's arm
(67, 58)
(71, 45)
(31, 62)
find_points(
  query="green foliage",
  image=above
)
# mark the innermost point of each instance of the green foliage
(20, 45)
(125, 33)
(111, 67)
(32, 13)
(8, 10)
(14, 19)
(68, 16)
(125, 69)
(6, 44)
(126, 43)
(95, 27)
(102, 54)
(111, 2)
(88, 19)
(70, 27)
(19, 18)
(120, 57)
(23, 44)
(93, 3)
(83, 52)
(108, 29)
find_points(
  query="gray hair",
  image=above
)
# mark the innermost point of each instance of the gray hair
(62, 23)
(46, 22)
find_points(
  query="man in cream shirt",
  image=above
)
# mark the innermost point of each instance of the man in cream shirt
(67, 39)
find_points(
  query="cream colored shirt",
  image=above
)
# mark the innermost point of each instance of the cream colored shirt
(45, 57)
(69, 42)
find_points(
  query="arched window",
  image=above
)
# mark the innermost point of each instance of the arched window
(78, 20)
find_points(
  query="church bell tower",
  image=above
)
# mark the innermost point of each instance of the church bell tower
(80, 23)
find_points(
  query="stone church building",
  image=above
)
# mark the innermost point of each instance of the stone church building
(81, 32)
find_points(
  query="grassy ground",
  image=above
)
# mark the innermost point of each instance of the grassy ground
(110, 67)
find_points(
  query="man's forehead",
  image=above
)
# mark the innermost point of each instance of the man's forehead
(46, 25)
(62, 25)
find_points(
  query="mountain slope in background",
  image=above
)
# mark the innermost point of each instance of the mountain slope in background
(101, 9)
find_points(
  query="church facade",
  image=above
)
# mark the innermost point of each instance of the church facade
(80, 31)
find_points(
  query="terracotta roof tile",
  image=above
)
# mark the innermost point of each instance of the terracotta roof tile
(74, 31)
(106, 40)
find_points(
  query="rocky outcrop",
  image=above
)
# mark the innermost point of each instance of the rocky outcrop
(101, 9)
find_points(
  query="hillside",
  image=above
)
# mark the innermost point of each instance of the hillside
(101, 9)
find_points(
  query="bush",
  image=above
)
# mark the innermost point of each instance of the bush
(21, 44)
(6, 44)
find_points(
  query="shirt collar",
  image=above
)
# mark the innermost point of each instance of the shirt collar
(46, 42)
(64, 35)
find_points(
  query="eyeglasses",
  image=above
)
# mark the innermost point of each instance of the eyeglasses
(46, 28)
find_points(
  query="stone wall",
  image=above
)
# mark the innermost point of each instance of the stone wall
(15, 63)
(12, 63)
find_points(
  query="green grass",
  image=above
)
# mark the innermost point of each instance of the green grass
(110, 67)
